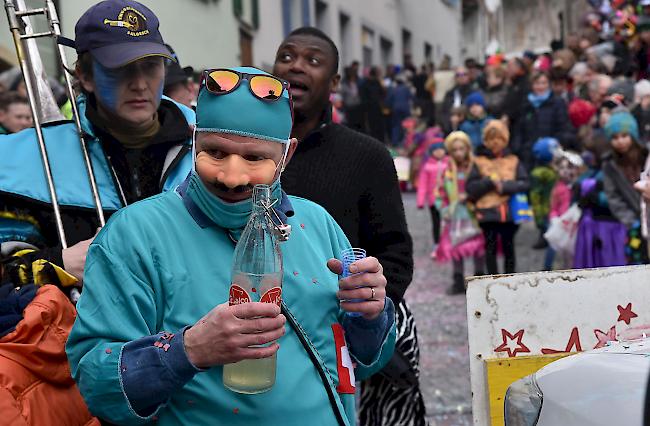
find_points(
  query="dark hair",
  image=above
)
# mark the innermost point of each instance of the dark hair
(315, 32)
(539, 74)
(521, 64)
(10, 98)
(471, 63)
(557, 75)
(84, 65)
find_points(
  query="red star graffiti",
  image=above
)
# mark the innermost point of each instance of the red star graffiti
(625, 313)
(573, 345)
(603, 337)
(508, 339)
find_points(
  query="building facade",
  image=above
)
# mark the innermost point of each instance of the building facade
(373, 32)
(513, 26)
(211, 33)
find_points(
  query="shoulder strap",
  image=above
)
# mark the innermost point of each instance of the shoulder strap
(172, 156)
(302, 336)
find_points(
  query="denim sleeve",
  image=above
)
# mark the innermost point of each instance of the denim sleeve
(152, 368)
(365, 337)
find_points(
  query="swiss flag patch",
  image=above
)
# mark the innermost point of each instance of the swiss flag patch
(344, 366)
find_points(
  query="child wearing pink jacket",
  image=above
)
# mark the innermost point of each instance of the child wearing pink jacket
(568, 166)
(430, 182)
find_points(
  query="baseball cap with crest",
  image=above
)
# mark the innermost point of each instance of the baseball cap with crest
(117, 32)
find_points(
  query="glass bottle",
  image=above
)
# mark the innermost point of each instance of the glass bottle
(256, 277)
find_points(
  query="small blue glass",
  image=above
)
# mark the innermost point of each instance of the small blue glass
(348, 257)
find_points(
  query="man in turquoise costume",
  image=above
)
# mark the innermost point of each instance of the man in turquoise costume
(162, 266)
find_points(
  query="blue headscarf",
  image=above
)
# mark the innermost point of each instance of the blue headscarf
(241, 113)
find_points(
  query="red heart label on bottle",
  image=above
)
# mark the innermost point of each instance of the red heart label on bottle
(273, 295)
(238, 295)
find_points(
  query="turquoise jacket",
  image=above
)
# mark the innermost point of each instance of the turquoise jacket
(154, 269)
(21, 169)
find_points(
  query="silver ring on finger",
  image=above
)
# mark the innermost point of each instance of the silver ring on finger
(372, 293)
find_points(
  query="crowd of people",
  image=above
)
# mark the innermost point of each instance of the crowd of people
(561, 136)
(557, 138)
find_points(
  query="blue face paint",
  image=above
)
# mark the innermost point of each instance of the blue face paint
(160, 90)
(108, 80)
(106, 85)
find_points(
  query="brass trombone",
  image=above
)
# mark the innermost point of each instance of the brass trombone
(41, 99)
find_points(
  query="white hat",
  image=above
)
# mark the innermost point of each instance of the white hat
(641, 89)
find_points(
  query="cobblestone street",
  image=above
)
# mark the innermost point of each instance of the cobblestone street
(442, 322)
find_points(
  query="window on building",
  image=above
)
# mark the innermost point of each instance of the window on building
(386, 48)
(246, 48)
(247, 11)
(428, 53)
(406, 46)
(367, 43)
(322, 16)
(345, 37)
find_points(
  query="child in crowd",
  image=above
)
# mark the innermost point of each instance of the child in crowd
(600, 239)
(476, 118)
(430, 185)
(456, 117)
(542, 180)
(419, 147)
(568, 166)
(461, 236)
(620, 171)
(496, 176)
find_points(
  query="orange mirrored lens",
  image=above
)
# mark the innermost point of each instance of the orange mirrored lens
(265, 87)
(221, 81)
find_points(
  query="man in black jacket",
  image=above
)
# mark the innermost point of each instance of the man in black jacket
(353, 177)
(517, 91)
(455, 96)
(142, 136)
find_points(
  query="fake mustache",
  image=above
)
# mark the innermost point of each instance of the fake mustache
(236, 190)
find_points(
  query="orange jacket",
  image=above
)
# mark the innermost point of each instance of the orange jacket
(36, 387)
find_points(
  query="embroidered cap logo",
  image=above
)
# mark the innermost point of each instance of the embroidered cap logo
(131, 19)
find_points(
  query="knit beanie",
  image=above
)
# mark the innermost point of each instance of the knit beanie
(496, 128)
(475, 98)
(544, 149)
(438, 144)
(622, 122)
(458, 136)
(580, 112)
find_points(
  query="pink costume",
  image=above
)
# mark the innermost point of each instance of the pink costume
(560, 199)
(430, 181)
(471, 247)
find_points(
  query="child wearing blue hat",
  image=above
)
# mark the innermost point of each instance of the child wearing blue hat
(477, 118)
(542, 180)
